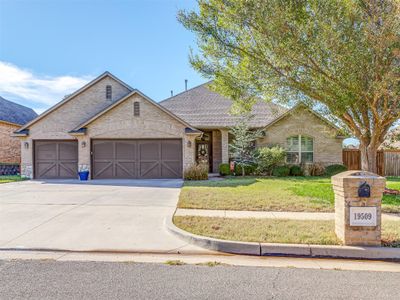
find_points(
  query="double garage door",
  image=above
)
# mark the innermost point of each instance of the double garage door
(125, 159)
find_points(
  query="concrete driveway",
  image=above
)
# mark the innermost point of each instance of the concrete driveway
(102, 215)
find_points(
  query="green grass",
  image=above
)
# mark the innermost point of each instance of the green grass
(6, 179)
(313, 194)
(276, 230)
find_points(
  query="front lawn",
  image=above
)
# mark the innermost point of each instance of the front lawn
(313, 194)
(6, 179)
(276, 230)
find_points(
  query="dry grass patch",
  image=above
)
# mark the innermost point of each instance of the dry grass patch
(276, 230)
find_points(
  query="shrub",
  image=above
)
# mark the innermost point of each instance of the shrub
(224, 169)
(313, 169)
(335, 169)
(249, 169)
(296, 170)
(268, 158)
(197, 172)
(281, 171)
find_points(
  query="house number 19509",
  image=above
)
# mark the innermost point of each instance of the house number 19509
(363, 216)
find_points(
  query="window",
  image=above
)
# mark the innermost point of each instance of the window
(108, 92)
(300, 149)
(136, 109)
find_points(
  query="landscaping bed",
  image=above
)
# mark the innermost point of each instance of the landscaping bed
(310, 194)
(6, 179)
(276, 230)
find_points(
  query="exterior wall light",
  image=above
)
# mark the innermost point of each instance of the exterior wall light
(26, 145)
(83, 144)
(189, 144)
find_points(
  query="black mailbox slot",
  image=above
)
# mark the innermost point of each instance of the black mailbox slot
(364, 190)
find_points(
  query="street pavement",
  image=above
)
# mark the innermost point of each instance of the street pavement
(23, 279)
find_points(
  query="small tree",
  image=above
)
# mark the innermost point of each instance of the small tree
(242, 146)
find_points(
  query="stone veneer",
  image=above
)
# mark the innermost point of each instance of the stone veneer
(10, 149)
(327, 146)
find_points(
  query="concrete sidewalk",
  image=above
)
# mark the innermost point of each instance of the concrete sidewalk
(266, 214)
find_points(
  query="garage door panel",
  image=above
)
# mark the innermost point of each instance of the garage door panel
(103, 150)
(56, 159)
(125, 150)
(103, 170)
(46, 151)
(68, 151)
(125, 169)
(150, 170)
(145, 159)
(171, 169)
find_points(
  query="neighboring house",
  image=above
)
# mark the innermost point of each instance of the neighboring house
(115, 131)
(12, 116)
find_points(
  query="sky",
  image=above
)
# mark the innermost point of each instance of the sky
(50, 48)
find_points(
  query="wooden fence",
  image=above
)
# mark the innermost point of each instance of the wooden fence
(387, 163)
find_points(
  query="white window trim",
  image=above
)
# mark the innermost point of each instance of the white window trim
(299, 152)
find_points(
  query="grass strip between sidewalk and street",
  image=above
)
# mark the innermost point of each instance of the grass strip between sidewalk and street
(276, 230)
(298, 194)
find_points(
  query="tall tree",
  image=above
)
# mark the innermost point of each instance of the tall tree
(343, 55)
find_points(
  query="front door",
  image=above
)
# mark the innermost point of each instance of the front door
(204, 150)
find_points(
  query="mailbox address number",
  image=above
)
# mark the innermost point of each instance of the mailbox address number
(363, 216)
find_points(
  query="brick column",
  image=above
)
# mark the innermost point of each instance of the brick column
(225, 145)
(346, 186)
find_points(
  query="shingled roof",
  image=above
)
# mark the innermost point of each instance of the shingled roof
(203, 108)
(15, 113)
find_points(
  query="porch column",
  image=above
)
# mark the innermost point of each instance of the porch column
(224, 146)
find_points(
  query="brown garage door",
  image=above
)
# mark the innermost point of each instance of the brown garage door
(56, 159)
(147, 159)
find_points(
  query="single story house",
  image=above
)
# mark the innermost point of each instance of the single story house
(12, 117)
(115, 131)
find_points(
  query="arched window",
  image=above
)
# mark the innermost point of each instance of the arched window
(300, 149)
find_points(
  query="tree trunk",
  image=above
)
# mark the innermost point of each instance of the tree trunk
(369, 155)
(243, 173)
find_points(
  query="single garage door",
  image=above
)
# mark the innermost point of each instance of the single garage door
(147, 159)
(56, 159)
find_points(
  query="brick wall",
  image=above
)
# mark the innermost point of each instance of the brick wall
(10, 151)
(327, 147)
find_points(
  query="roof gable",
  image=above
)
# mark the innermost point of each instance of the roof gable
(204, 108)
(14, 113)
(304, 106)
(80, 128)
(73, 95)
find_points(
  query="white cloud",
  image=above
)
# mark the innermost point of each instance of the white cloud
(41, 91)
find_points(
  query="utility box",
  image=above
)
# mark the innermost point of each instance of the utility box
(358, 202)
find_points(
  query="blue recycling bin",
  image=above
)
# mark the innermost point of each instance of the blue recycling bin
(83, 175)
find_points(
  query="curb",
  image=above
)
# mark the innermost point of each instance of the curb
(274, 249)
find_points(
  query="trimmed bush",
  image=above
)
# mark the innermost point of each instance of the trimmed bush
(249, 169)
(268, 158)
(296, 170)
(281, 171)
(224, 169)
(335, 169)
(196, 172)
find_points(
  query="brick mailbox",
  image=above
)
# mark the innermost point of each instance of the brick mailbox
(358, 199)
